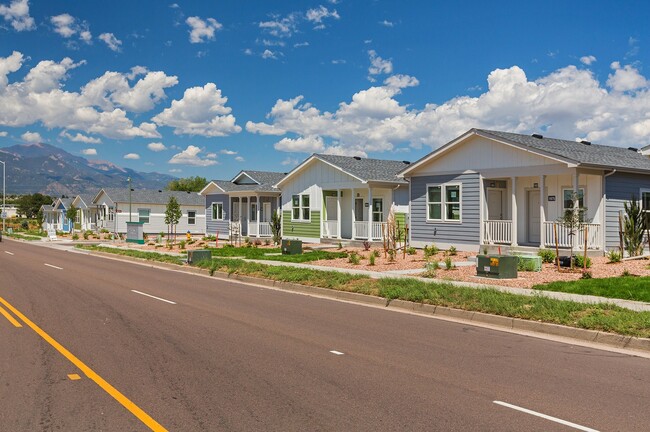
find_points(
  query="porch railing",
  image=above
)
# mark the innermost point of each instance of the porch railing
(330, 228)
(564, 237)
(361, 230)
(265, 229)
(497, 231)
(252, 229)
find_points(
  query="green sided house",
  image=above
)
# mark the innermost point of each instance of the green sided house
(342, 198)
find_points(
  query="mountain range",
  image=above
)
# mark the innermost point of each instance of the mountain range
(53, 171)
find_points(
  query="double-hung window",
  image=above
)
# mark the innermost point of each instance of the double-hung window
(300, 209)
(645, 206)
(217, 211)
(143, 215)
(191, 217)
(377, 210)
(567, 199)
(253, 217)
(444, 202)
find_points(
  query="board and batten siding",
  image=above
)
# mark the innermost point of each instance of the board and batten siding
(619, 188)
(213, 226)
(306, 231)
(464, 235)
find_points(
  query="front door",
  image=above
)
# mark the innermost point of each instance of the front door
(358, 210)
(266, 212)
(331, 207)
(495, 204)
(533, 217)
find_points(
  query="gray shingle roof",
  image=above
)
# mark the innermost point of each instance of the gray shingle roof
(152, 196)
(229, 186)
(265, 177)
(87, 199)
(368, 170)
(583, 154)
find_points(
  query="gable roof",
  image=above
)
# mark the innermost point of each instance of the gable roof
(363, 169)
(265, 183)
(86, 199)
(151, 196)
(568, 151)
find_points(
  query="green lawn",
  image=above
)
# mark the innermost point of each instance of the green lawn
(624, 287)
(263, 254)
(24, 237)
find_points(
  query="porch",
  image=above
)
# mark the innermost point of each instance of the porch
(526, 210)
(251, 215)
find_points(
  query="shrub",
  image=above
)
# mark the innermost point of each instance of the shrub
(103, 231)
(548, 255)
(626, 273)
(24, 225)
(411, 250)
(614, 256)
(391, 255)
(267, 242)
(525, 265)
(339, 246)
(229, 245)
(430, 269)
(586, 275)
(354, 258)
(451, 251)
(86, 234)
(181, 244)
(75, 237)
(247, 240)
(376, 253)
(258, 242)
(371, 259)
(448, 263)
(579, 261)
(366, 245)
(430, 251)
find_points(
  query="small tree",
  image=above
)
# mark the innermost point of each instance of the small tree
(71, 214)
(573, 220)
(276, 227)
(633, 227)
(40, 217)
(173, 214)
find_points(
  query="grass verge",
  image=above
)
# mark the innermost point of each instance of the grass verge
(262, 254)
(603, 317)
(623, 287)
(149, 256)
(23, 237)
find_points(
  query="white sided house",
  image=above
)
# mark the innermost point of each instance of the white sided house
(148, 206)
(498, 188)
(87, 213)
(342, 198)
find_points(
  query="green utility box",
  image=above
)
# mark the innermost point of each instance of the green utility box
(194, 256)
(291, 247)
(497, 266)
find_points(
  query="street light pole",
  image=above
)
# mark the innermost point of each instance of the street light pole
(4, 182)
(129, 199)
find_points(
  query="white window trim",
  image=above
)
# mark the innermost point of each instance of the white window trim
(188, 217)
(148, 216)
(641, 192)
(212, 209)
(443, 203)
(301, 207)
(377, 212)
(570, 188)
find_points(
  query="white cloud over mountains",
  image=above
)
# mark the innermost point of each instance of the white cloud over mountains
(17, 14)
(567, 103)
(192, 156)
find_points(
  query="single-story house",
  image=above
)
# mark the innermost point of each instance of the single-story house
(147, 206)
(87, 213)
(54, 216)
(498, 188)
(342, 197)
(243, 205)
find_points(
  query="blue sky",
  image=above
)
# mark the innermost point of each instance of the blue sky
(211, 87)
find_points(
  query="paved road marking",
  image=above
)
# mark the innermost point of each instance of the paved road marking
(336, 352)
(10, 253)
(74, 377)
(547, 417)
(123, 400)
(9, 317)
(149, 295)
(53, 266)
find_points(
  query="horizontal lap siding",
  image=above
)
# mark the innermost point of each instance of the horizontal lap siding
(293, 229)
(619, 188)
(466, 232)
(212, 226)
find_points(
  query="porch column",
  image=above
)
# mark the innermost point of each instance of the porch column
(258, 215)
(513, 206)
(576, 204)
(354, 234)
(338, 214)
(248, 215)
(542, 211)
(369, 213)
(239, 216)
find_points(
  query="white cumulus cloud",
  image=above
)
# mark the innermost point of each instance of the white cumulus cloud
(32, 137)
(201, 111)
(378, 65)
(132, 156)
(81, 138)
(191, 156)
(317, 15)
(17, 14)
(240, 159)
(156, 146)
(202, 30)
(89, 152)
(111, 41)
(588, 60)
(228, 152)
(626, 78)
(4, 133)
(67, 26)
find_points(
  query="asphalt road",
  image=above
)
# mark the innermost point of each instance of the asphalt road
(229, 356)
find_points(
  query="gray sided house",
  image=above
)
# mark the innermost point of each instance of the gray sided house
(499, 188)
(87, 213)
(147, 206)
(243, 205)
(342, 198)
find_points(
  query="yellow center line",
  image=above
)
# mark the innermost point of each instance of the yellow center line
(10, 318)
(123, 400)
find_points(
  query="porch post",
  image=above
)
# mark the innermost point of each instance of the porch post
(576, 205)
(369, 213)
(513, 206)
(258, 215)
(338, 214)
(239, 220)
(354, 234)
(542, 211)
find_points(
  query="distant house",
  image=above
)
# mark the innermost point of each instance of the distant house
(54, 216)
(342, 197)
(87, 213)
(498, 188)
(243, 205)
(147, 206)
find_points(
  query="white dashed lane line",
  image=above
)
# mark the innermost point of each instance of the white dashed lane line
(547, 417)
(154, 297)
(53, 266)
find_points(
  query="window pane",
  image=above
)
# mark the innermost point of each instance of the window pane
(377, 205)
(568, 198)
(295, 201)
(452, 193)
(434, 194)
(296, 213)
(453, 211)
(305, 214)
(435, 211)
(645, 200)
(377, 217)
(253, 212)
(305, 200)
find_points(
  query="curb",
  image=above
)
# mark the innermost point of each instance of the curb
(592, 336)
